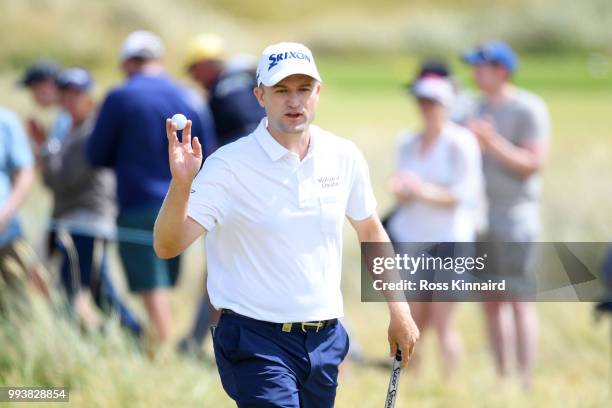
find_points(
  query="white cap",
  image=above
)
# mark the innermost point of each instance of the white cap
(143, 44)
(280, 60)
(438, 89)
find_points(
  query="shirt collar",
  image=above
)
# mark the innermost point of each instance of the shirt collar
(275, 150)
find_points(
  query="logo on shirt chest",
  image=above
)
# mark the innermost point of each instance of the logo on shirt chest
(326, 182)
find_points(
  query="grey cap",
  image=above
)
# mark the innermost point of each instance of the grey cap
(75, 77)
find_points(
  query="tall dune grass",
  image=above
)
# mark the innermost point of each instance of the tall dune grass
(89, 32)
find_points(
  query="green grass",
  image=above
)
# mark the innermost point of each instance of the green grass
(362, 100)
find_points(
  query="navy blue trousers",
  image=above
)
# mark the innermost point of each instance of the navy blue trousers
(262, 366)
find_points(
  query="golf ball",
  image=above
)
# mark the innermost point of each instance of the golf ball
(179, 120)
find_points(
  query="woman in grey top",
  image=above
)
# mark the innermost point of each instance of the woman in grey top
(84, 207)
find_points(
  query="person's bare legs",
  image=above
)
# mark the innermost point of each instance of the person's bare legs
(526, 324)
(86, 314)
(499, 335)
(157, 304)
(442, 317)
(39, 281)
(421, 313)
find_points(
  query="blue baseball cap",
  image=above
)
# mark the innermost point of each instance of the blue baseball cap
(496, 52)
(75, 77)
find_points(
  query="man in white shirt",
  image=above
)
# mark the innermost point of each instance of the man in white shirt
(272, 205)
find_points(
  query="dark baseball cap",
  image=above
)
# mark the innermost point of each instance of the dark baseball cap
(434, 67)
(75, 77)
(39, 71)
(496, 52)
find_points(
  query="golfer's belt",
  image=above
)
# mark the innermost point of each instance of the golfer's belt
(315, 326)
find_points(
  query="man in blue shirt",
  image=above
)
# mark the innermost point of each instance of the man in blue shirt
(17, 260)
(129, 136)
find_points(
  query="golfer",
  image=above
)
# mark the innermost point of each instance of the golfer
(272, 205)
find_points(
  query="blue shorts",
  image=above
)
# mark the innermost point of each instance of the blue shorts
(262, 366)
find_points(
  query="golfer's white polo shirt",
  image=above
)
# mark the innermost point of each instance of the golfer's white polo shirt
(275, 224)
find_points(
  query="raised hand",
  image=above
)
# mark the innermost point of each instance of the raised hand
(406, 186)
(36, 131)
(185, 156)
(483, 129)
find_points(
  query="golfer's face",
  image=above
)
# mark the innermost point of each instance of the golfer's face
(291, 104)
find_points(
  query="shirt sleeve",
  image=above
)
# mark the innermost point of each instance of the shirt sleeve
(210, 199)
(535, 123)
(361, 202)
(102, 143)
(20, 154)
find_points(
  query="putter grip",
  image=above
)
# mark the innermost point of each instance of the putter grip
(394, 380)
